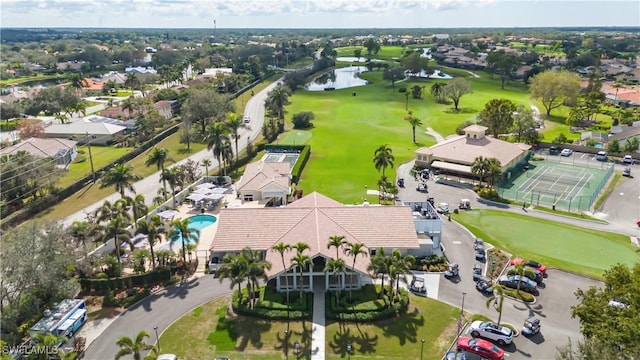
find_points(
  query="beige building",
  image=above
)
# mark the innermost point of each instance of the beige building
(266, 181)
(313, 219)
(457, 153)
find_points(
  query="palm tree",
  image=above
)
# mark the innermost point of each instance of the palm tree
(129, 105)
(494, 171)
(130, 346)
(165, 73)
(497, 299)
(233, 268)
(235, 123)
(139, 256)
(82, 231)
(437, 90)
(337, 268)
(43, 343)
(337, 242)
(117, 229)
(158, 156)
(400, 265)
(122, 177)
(379, 266)
(109, 211)
(78, 82)
(383, 158)
(138, 206)
(480, 167)
(282, 248)
(227, 155)
(277, 99)
(206, 163)
(181, 227)
(414, 122)
(216, 137)
(354, 249)
(256, 270)
(132, 82)
(153, 228)
(174, 178)
(301, 261)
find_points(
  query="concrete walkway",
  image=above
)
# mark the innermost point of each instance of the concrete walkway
(318, 332)
(439, 138)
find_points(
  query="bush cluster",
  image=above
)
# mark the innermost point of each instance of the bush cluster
(268, 305)
(364, 308)
(103, 286)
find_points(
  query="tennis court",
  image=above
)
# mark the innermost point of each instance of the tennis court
(563, 186)
(291, 158)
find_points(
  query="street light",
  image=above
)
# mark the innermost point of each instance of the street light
(349, 347)
(297, 346)
(421, 348)
(460, 321)
(155, 328)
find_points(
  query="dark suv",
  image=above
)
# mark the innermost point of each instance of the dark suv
(554, 150)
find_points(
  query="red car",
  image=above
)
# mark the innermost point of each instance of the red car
(480, 347)
(534, 264)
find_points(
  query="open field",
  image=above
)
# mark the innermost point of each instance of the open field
(191, 336)
(583, 251)
(102, 155)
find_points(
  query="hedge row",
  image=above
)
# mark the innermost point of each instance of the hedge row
(396, 309)
(103, 286)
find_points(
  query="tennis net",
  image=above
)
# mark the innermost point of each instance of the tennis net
(563, 179)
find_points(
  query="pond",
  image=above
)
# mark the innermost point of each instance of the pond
(435, 75)
(356, 59)
(36, 83)
(338, 79)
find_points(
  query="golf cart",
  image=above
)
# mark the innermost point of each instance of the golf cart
(401, 182)
(465, 204)
(452, 271)
(443, 208)
(422, 187)
(531, 326)
(417, 286)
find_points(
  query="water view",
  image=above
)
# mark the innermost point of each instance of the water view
(338, 79)
(356, 59)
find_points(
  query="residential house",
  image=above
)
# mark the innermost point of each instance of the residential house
(622, 137)
(265, 181)
(99, 133)
(167, 108)
(600, 138)
(140, 70)
(63, 151)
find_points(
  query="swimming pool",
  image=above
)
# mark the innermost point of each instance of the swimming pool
(196, 222)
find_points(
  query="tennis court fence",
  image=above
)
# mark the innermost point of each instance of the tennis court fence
(557, 200)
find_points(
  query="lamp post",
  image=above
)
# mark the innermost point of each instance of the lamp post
(421, 348)
(349, 347)
(93, 173)
(155, 328)
(460, 321)
(296, 345)
(286, 344)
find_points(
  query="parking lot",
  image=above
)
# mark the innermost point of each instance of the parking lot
(553, 303)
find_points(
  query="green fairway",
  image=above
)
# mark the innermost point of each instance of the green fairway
(584, 251)
(296, 137)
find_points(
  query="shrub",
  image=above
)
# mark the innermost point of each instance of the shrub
(402, 89)
(302, 120)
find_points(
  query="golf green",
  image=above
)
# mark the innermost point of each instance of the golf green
(296, 137)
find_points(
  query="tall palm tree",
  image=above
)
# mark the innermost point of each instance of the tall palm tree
(414, 122)
(216, 137)
(277, 99)
(45, 342)
(109, 211)
(174, 178)
(206, 163)
(158, 157)
(480, 167)
(227, 155)
(301, 261)
(256, 270)
(181, 227)
(233, 268)
(282, 248)
(165, 73)
(337, 242)
(235, 123)
(78, 82)
(354, 249)
(338, 268)
(153, 228)
(131, 346)
(122, 177)
(82, 231)
(132, 82)
(129, 105)
(497, 299)
(437, 90)
(383, 158)
(379, 266)
(138, 206)
(401, 266)
(117, 229)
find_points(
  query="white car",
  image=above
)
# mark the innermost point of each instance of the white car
(443, 208)
(566, 152)
(247, 119)
(627, 159)
(491, 331)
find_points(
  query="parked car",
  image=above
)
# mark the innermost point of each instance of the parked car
(529, 272)
(534, 264)
(566, 152)
(480, 255)
(485, 287)
(455, 355)
(627, 159)
(480, 347)
(422, 187)
(417, 285)
(247, 119)
(491, 331)
(602, 156)
(477, 268)
(526, 284)
(554, 150)
(626, 172)
(478, 244)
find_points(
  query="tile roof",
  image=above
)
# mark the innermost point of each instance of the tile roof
(463, 150)
(40, 147)
(313, 220)
(258, 175)
(81, 128)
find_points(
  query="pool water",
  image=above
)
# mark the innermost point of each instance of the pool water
(196, 222)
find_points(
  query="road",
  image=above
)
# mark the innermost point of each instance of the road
(149, 186)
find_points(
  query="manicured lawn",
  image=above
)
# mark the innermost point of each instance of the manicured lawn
(191, 337)
(102, 155)
(295, 137)
(23, 79)
(584, 251)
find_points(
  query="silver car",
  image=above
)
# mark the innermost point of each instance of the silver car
(491, 331)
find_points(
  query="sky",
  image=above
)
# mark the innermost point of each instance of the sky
(317, 13)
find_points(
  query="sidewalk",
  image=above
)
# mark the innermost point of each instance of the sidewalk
(318, 332)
